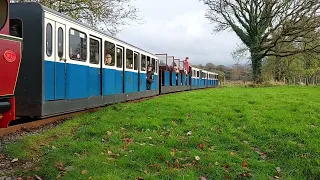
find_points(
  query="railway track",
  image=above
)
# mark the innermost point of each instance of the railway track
(23, 126)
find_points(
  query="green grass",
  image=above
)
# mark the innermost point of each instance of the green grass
(151, 139)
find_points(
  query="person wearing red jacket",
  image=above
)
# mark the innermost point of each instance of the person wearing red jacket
(186, 65)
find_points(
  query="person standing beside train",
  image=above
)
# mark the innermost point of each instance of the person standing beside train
(150, 77)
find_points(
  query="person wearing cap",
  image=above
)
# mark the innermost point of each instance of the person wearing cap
(150, 75)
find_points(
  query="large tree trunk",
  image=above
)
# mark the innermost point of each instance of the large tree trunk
(256, 60)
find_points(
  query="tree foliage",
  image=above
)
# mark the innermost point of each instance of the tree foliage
(262, 25)
(107, 15)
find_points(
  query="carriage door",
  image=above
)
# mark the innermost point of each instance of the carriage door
(120, 70)
(94, 68)
(60, 62)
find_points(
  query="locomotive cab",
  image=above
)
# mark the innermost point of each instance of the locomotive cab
(10, 56)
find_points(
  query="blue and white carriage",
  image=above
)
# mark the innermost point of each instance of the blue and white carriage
(69, 66)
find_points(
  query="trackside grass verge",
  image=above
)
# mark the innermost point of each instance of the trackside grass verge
(225, 133)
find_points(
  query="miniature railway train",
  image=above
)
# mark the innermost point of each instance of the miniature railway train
(51, 65)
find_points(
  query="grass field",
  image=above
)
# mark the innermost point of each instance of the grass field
(225, 133)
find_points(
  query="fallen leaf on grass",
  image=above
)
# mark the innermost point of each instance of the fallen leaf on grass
(278, 169)
(161, 157)
(60, 166)
(14, 160)
(197, 158)
(172, 153)
(110, 153)
(107, 137)
(276, 177)
(202, 178)
(168, 163)
(232, 153)
(128, 140)
(212, 148)
(200, 146)
(245, 174)
(189, 133)
(150, 137)
(140, 178)
(177, 164)
(188, 115)
(244, 164)
(38, 178)
(227, 177)
(226, 167)
(84, 172)
(85, 152)
(263, 155)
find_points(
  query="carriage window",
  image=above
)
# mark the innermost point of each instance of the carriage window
(198, 74)
(136, 61)
(143, 62)
(94, 51)
(60, 42)
(77, 45)
(119, 57)
(16, 27)
(109, 53)
(49, 39)
(148, 61)
(153, 64)
(129, 61)
(3, 13)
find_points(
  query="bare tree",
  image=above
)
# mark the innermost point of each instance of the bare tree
(107, 15)
(263, 24)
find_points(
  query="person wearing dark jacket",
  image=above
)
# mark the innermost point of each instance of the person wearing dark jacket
(150, 75)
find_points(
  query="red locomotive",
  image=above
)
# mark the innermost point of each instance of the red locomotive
(10, 58)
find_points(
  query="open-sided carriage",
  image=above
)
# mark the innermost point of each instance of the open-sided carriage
(174, 74)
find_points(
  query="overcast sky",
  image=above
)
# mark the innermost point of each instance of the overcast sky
(179, 28)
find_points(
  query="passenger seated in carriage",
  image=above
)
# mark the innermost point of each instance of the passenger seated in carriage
(108, 60)
(175, 68)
